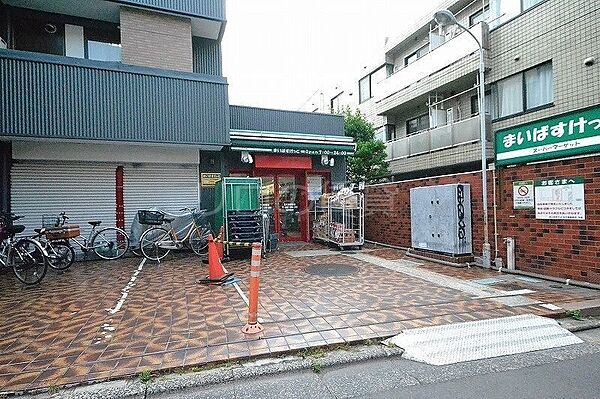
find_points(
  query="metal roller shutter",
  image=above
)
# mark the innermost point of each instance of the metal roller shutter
(85, 191)
(169, 187)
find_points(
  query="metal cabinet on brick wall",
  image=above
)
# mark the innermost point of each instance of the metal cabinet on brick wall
(441, 218)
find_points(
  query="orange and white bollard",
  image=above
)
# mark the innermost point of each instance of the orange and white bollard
(253, 326)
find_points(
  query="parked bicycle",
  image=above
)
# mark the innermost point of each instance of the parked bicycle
(61, 254)
(25, 256)
(157, 241)
(107, 243)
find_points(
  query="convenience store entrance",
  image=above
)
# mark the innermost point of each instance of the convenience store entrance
(284, 197)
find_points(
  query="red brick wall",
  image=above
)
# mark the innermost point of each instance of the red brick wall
(562, 248)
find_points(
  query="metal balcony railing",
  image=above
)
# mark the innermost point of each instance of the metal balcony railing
(439, 138)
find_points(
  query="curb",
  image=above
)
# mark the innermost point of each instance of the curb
(133, 388)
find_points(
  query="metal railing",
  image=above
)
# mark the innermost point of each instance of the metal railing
(435, 139)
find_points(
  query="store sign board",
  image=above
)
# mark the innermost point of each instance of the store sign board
(565, 135)
(523, 197)
(209, 179)
(302, 151)
(560, 199)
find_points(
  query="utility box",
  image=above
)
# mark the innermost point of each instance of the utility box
(440, 218)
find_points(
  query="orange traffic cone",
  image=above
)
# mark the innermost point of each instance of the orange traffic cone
(216, 274)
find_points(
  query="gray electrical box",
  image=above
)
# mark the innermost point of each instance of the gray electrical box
(440, 218)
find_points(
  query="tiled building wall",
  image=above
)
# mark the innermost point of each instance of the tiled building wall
(561, 248)
(562, 31)
(156, 40)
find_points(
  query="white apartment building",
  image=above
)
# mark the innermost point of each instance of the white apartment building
(541, 59)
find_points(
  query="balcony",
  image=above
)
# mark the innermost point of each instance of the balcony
(54, 97)
(451, 135)
(453, 59)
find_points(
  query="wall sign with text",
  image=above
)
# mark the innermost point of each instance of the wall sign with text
(561, 199)
(557, 137)
(523, 197)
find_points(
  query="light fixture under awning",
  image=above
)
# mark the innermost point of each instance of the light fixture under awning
(291, 143)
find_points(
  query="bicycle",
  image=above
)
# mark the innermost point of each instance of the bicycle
(109, 243)
(25, 255)
(61, 255)
(158, 241)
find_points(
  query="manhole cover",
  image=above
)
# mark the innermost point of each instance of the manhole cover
(331, 269)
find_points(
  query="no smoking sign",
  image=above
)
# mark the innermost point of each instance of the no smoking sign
(523, 197)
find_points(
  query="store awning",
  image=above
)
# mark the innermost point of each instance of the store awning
(291, 143)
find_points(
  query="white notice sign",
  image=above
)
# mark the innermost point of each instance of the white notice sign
(560, 199)
(523, 195)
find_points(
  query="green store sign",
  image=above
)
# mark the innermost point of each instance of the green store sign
(562, 136)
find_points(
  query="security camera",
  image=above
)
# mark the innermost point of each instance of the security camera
(324, 160)
(246, 157)
(589, 61)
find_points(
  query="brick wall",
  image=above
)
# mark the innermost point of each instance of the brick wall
(561, 248)
(156, 40)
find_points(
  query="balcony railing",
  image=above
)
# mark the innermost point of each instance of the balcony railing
(439, 58)
(68, 98)
(439, 138)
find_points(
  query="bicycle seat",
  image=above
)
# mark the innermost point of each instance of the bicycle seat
(16, 229)
(168, 220)
(95, 222)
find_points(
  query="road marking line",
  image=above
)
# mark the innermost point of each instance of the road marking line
(125, 291)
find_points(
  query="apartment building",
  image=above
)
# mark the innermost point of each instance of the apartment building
(542, 85)
(422, 94)
(110, 106)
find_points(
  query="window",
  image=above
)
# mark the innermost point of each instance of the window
(479, 16)
(529, 3)
(390, 132)
(103, 44)
(416, 55)
(475, 103)
(417, 124)
(364, 89)
(380, 134)
(523, 92)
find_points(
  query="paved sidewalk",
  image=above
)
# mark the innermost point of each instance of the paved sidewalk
(61, 332)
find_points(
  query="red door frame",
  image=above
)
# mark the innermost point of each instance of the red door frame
(302, 176)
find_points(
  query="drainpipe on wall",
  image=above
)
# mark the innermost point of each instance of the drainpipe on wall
(5, 165)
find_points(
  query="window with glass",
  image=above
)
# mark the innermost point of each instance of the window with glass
(479, 16)
(417, 124)
(530, 3)
(103, 44)
(335, 104)
(390, 132)
(523, 92)
(364, 89)
(416, 55)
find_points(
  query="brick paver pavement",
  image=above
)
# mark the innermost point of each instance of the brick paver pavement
(61, 332)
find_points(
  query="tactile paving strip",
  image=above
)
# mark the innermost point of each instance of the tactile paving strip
(475, 340)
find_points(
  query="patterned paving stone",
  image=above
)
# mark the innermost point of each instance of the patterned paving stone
(61, 333)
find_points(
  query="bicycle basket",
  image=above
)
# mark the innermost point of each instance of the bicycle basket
(151, 217)
(63, 233)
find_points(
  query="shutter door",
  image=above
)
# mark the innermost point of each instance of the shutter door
(164, 186)
(85, 191)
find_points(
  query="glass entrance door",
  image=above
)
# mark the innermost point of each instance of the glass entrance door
(289, 206)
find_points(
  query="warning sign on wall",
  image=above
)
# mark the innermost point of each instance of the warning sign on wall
(560, 199)
(523, 197)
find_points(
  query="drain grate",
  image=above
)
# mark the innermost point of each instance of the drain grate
(331, 269)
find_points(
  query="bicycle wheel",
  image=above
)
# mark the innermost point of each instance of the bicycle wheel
(110, 243)
(28, 260)
(60, 255)
(152, 243)
(199, 240)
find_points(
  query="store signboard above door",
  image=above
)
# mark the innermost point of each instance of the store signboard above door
(565, 135)
(291, 143)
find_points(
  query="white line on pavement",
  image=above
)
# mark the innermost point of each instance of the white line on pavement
(125, 291)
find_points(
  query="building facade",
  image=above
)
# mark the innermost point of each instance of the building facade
(107, 107)
(542, 78)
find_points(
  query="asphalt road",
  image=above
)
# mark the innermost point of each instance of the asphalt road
(568, 372)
